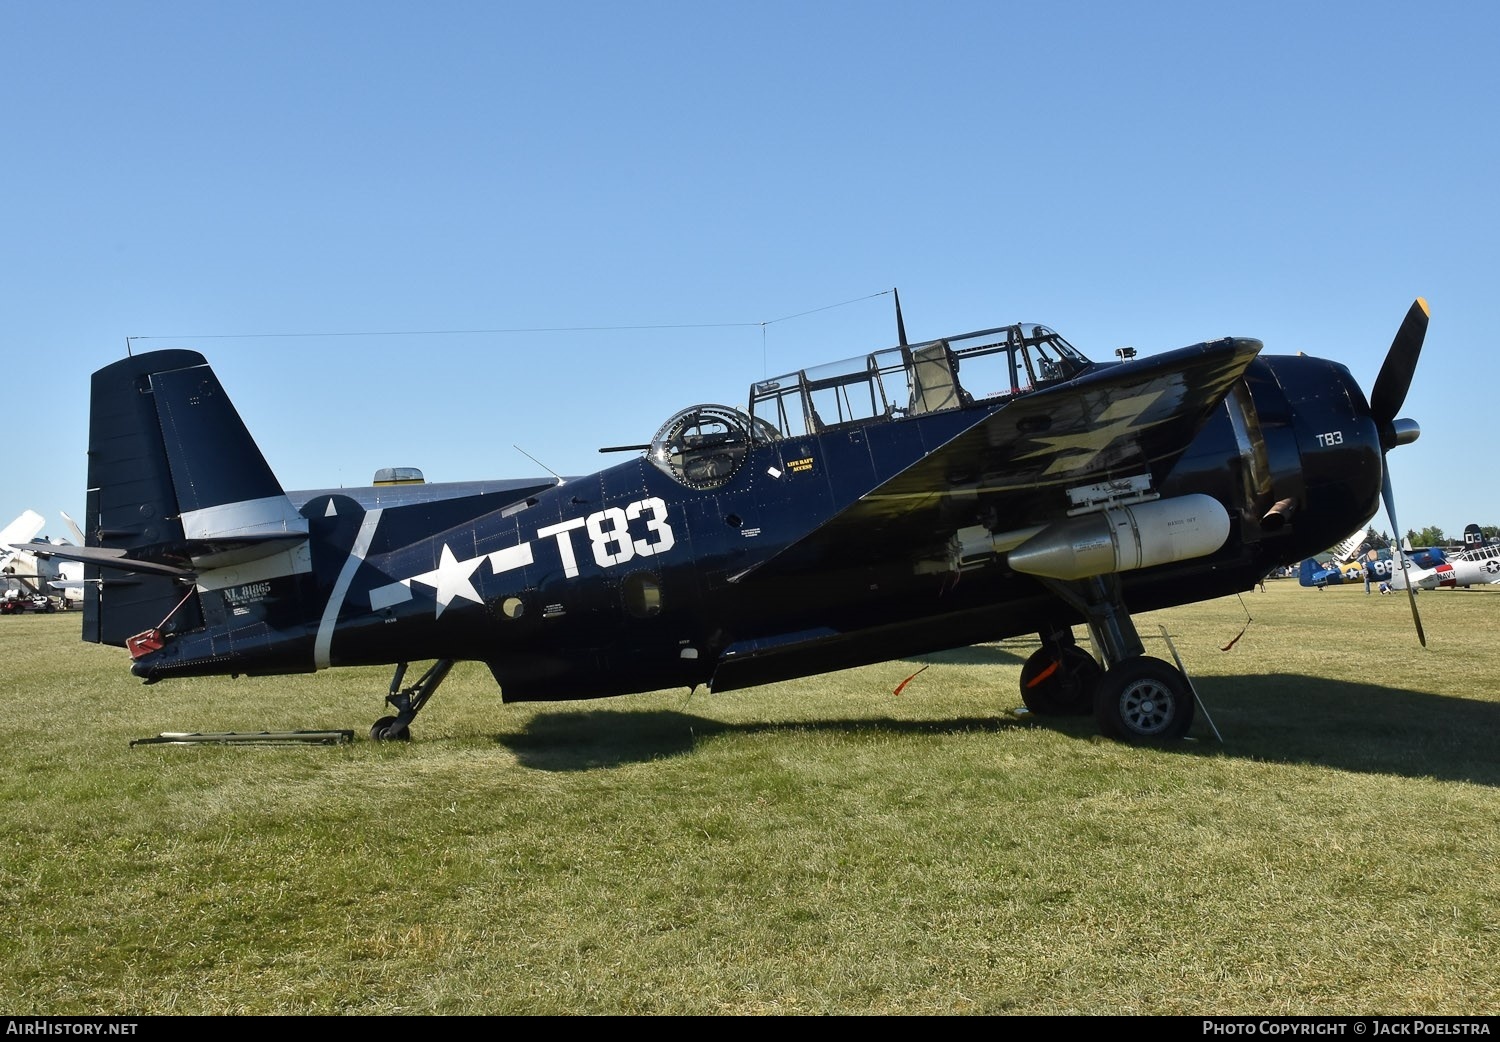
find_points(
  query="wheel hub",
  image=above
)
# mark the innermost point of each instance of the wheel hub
(1147, 708)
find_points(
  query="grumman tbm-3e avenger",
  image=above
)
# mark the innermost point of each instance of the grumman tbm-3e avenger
(918, 498)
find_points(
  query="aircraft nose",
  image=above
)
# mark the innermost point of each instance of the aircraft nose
(1338, 455)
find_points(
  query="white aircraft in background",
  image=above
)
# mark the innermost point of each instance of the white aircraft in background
(15, 562)
(1477, 564)
(69, 581)
(26, 574)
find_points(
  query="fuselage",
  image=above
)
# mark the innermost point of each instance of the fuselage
(642, 577)
(1476, 566)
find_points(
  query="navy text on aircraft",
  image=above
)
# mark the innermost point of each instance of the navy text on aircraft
(1477, 564)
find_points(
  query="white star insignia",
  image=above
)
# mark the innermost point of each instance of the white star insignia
(451, 578)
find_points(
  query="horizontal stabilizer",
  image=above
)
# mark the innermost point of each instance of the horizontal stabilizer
(110, 558)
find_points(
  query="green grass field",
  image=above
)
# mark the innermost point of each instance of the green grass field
(815, 847)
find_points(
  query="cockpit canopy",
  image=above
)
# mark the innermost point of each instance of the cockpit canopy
(704, 445)
(912, 380)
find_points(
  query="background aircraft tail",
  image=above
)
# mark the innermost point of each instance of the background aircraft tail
(1307, 571)
(23, 529)
(1346, 549)
(176, 486)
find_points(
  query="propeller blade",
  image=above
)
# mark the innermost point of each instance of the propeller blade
(1411, 591)
(1400, 363)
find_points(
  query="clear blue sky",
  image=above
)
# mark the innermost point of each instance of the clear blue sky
(659, 185)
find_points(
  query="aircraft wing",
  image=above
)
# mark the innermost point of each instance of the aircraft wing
(1011, 468)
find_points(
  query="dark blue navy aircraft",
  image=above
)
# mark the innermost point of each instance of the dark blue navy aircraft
(1370, 566)
(918, 498)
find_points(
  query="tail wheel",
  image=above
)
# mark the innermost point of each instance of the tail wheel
(384, 730)
(1144, 700)
(1060, 681)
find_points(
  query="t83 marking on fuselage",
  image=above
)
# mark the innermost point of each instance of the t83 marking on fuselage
(611, 534)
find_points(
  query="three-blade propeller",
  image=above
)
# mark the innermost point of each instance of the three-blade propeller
(1386, 400)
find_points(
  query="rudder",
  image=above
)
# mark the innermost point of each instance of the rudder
(175, 479)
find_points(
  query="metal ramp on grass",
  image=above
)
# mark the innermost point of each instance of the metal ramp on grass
(247, 738)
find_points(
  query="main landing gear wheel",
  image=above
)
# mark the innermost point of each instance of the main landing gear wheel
(384, 730)
(1144, 700)
(1060, 681)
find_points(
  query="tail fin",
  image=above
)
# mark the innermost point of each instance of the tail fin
(22, 529)
(176, 486)
(1305, 574)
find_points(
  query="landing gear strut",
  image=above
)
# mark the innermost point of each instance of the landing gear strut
(1136, 699)
(408, 701)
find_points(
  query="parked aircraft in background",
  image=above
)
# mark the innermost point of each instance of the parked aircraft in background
(18, 567)
(1355, 559)
(33, 568)
(1335, 573)
(24, 528)
(1474, 537)
(1371, 567)
(913, 499)
(1478, 564)
(69, 584)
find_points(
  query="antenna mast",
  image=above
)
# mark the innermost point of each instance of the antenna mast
(560, 479)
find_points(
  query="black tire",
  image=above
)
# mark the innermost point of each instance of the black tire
(382, 731)
(1143, 701)
(1060, 681)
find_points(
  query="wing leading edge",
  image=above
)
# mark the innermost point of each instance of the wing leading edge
(1015, 462)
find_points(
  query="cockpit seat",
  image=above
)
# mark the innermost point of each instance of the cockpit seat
(935, 383)
(714, 467)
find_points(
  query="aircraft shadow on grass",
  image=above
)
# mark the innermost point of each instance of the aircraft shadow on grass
(1380, 729)
(604, 738)
(1353, 726)
(979, 655)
